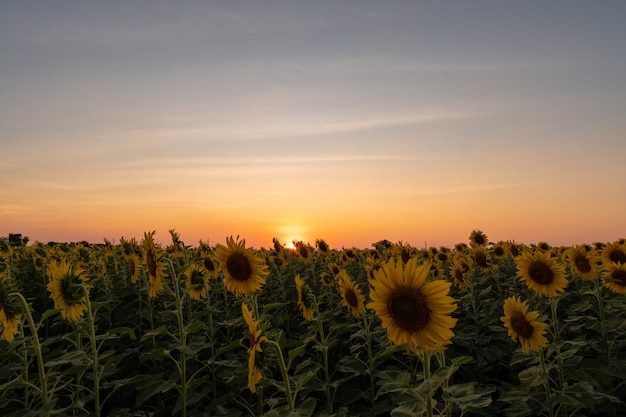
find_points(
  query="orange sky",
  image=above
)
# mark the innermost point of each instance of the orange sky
(349, 122)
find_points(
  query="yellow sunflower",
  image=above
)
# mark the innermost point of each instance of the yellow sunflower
(153, 259)
(523, 325)
(583, 262)
(614, 253)
(10, 316)
(304, 251)
(196, 281)
(304, 298)
(415, 313)
(478, 238)
(255, 370)
(244, 271)
(68, 286)
(541, 272)
(351, 296)
(134, 267)
(615, 277)
(480, 255)
(499, 250)
(461, 271)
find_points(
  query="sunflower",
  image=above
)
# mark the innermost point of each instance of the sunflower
(152, 256)
(134, 267)
(351, 296)
(196, 281)
(255, 370)
(304, 298)
(209, 265)
(10, 316)
(244, 271)
(542, 273)
(415, 313)
(303, 250)
(615, 277)
(524, 325)
(68, 289)
(614, 253)
(583, 262)
(480, 255)
(461, 271)
(478, 238)
(499, 250)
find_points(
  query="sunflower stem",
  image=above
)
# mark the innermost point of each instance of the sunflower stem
(94, 351)
(546, 384)
(283, 370)
(324, 344)
(370, 361)
(605, 338)
(182, 336)
(43, 381)
(429, 395)
(211, 343)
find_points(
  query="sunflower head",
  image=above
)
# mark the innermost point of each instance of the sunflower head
(615, 278)
(541, 272)
(244, 271)
(196, 281)
(133, 267)
(68, 289)
(524, 325)
(10, 310)
(306, 298)
(415, 313)
(351, 296)
(614, 252)
(255, 339)
(583, 261)
(478, 238)
(461, 271)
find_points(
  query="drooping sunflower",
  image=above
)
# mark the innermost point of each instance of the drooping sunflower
(304, 298)
(304, 251)
(153, 259)
(255, 369)
(541, 272)
(523, 325)
(10, 316)
(615, 277)
(415, 313)
(68, 287)
(351, 296)
(583, 262)
(196, 280)
(614, 252)
(478, 238)
(244, 271)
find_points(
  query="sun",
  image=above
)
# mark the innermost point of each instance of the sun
(292, 233)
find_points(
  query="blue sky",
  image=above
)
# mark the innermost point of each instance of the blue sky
(352, 121)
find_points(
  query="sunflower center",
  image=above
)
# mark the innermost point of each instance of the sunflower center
(239, 267)
(481, 259)
(209, 265)
(408, 309)
(617, 256)
(582, 264)
(479, 239)
(303, 252)
(499, 251)
(540, 273)
(351, 297)
(521, 326)
(619, 275)
(458, 275)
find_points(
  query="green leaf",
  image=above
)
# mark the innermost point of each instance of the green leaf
(123, 330)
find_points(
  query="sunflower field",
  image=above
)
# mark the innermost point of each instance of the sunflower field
(141, 328)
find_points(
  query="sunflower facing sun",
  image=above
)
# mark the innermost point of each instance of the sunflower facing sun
(244, 271)
(523, 325)
(541, 272)
(351, 296)
(414, 312)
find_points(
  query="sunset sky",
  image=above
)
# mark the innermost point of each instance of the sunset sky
(350, 121)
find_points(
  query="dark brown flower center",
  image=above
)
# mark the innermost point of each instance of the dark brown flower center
(582, 264)
(619, 275)
(303, 252)
(405, 255)
(458, 275)
(479, 239)
(541, 273)
(617, 256)
(498, 251)
(238, 267)
(408, 309)
(481, 259)
(521, 326)
(208, 264)
(351, 298)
